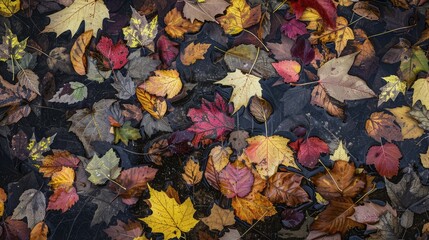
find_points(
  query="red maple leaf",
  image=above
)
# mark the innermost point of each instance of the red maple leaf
(211, 121)
(325, 8)
(116, 53)
(385, 158)
(309, 150)
(63, 199)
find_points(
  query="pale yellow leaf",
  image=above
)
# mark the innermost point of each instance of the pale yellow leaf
(410, 128)
(340, 154)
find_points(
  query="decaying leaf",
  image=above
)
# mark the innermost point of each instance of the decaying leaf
(28, 79)
(70, 93)
(54, 163)
(392, 89)
(125, 231)
(204, 10)
(284, 187)
(36, 149)
(77, 52)
(413, 61)
(424, 159)
(3, 198)
(104, 168)
(309, 150)
(9, 7)
(366, 10)
(421, 88)
(320, 98)
(410, 128)
(289, 70)
(140, 32)
(63, 178)
(219, 218)
(260, 108)
(381, 125)
(63, 199)
(11, 48)
(108, 206)
(32, 205)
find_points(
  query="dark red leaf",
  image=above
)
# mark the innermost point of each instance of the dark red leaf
(167, 50)
(291, 218)
(385, 158)
(302, 49)
(325, 8)
(309, 150)
(293, 28)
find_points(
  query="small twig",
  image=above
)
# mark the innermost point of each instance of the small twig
(393, 30)
(332, 177)
(304, 84)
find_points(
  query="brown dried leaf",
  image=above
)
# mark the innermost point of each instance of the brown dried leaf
(219, 218)
(284, 187)
(193, 174)
(367, 10)
(238, 139)
(260, 109)
(177, 26)
(381, 125)
(254, 206)
(320, 98)
(39, 232)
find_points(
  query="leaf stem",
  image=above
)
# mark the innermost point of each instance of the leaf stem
(393, 30)
(279, 6)
(329, 173)
(304, 84)
(259, 40)
(255, 60)
(253, 225)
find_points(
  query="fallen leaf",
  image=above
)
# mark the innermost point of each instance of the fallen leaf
(421, 115)
(167, 50)
(339, 84)
(392, 89)
(284, 187)
(124, 85)
(309, 150)
(19, 145)
(400, 3)
(340, 154)
(343, 35)
(314, 19)
(220, 157)
(115, 53)
(423, 37)
(289, 70)
(219, 218)
(177, 26)
(211, 121)
(9, 7)
(211, 175)
(13, 229)
(193, 174)
(11, 48)
(135, 61)
(341, 181)
(104, 168)
(204, 10)
(39, 232)
(239, 16)
(132, 112)
(238, 139)
(165, 83)
(325, 8)
(281, 50)
(320, 98)
(367, 10)
(125, 133)
(3, 198)
(32, 205)
(244, 86)
(260, 108)
(62, 179)
(70, 93)
(387, 227)
(370, 212)
(172, 193)
(410, 128)
(140, 32)
(168, 217)
(193, 52)
(54, 163)
(108, 206)
(124, 231)
(268, 153)
(253, 207)
(365, 48)
(233, 234)
(293, 28)
(413, 61)
(91, 11)
(381, 125)
(77, 52)
(37, 149)
(63, 199)
(421, 88)
(27, 78)
(424, 159)
(156, 107)
(235, 180)
(152, 126)
(385, 158)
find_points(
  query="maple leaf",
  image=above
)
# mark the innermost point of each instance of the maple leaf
(115, 53)
(3, 198)
(334, 219)
(140, 32)
(63, 199)
(134, 180)
(125, 231)
(239, 16)
(381, 125)
(421, 88)
(32, 205)
(204, 10)
(343, 35)
(169, 217)
(219, 218)
(211, 121)
(91, 11)
(156, 107)
(92, 124)
(63, 178)
(108, 206)
(244, 86)
(235, 180)
(193, 52)
(392, 89)
(11, 48)
(36, 149)
(193, 174)
(126, 133)
(410, 128)
(309, 150)
(177, 26)
(254, 206)
(339, 84)
(268, 153)
(124, 85)
(104, 168)
(165, 83)
(9, 7)
(284, 187)
(54, 163)
(325, 8)
(39, 232)
(385, 158)
(342, 181)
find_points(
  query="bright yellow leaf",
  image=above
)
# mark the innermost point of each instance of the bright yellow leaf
(193, 174)
(245, 86)
(343, 35)
(239, 16)
(254, 206)
(39, 232)
(153, 105)
(9, 7)
(313, 17)
(11, 48)
(421, 90)
(91, 11)
(220, 157)
(63, 178)
(410, 128)
(340, 154)
(392, 89)
(166, 83)
(168, 217)
(268, 153)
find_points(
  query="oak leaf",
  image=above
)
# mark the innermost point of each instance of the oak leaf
(410, 128)
(289, 70)
(32, 205)
(268, 153)
(309, 150)
(219, 218)
(193, 52)
(239, 16)
(254, 206)
(204, 10)
(421, 88)
(193, 174)
(63, 199)
(104, 168)
(284, 187)
(244, 86)
(155, 106)
(235, 180)
(140, 32)
(385, 158)
(39, 232)
(9, 7)
(392, 89)
(320, 98)
(211, 121)
(77, 52)
(169, 217)
(91, 11)
(339, 84)
(63, 178)
(165, 83)
(125, 231)
(381, 125)
(177, 26)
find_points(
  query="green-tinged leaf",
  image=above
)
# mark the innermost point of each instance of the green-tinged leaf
(140, 32)
(104, 168)
(412, 64)
(71, 92)
(391, 90)
(126, 133)
(11, 47)
(36, 149)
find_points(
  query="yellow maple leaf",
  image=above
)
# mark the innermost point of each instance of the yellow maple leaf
(177, 26)
(9, 7)
(340, 35)
(340, 154)
(91, 11)
(410, 128)
(63, 178)
(193, 52)
(165, 83)
(140, 32)
(254, 206)
(168, 217)
(268, 153)
(245, 86)
(193, 174)
(153, 105)
(392, 89)
(421, 89)
(239, 16)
